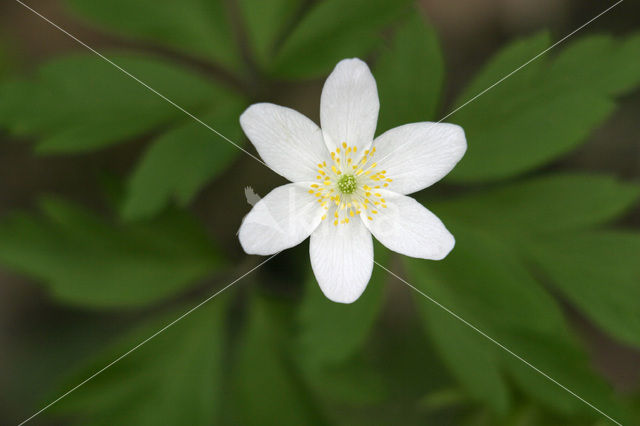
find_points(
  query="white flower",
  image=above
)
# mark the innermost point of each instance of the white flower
(346, 185)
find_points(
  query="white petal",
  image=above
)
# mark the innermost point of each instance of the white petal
(419, 154)
(342, 259)
(407, 227)
(289, 143)
(282, 219)
(349, 105)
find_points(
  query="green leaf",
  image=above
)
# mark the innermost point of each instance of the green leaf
(330, 357)
(566, 364)
(486, 284)
(265, 22)
(505, 61)
(472, 360)
(267, 388)
(180, 162)
(615, 73)
(546, 204)
(357, 382)
(599, 272)
(410, 75)
(472, 285)
(319, 342)
(541, 112)
(485, 281)
(198, 27)
(334, 30)
(81, 103)
(174, 379)
(89, 262)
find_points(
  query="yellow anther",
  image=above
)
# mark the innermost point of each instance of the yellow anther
(344, 145)
(351, 213)
(369, 217)
(314, 186)
(335, 222)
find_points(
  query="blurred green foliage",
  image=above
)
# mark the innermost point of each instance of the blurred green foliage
(72, 111)
(410, 97)
(333, 30)
(90, 262)
(198, 27)
(549, 106)
(256, 357)
(175, 380)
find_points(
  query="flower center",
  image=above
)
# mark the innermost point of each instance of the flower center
(347, 184)
(350, 185)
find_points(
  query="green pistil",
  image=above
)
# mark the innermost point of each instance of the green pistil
(347, 184)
